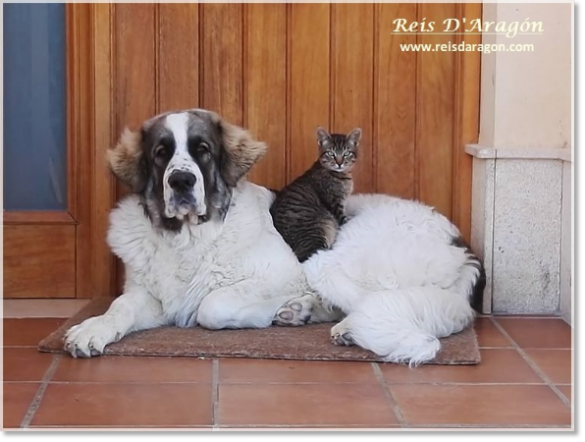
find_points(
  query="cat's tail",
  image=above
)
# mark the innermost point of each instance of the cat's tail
(404, 325)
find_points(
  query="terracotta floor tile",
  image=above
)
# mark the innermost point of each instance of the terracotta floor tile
(29, 331)
(344, 405)
(566, 389)
(556, 364)
(25, 364)
(114, 428)
(125, 404)
(488, 334)
(481, 404)
(267, 370)
(496, 366)
(17, 399)
(537, 333)
(133, 369)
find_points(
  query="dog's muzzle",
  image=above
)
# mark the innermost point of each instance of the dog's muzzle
(183, 199)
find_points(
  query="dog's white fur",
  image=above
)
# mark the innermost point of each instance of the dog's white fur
(232, 274)
(392, 270)
(395, 273)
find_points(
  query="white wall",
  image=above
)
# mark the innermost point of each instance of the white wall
(526, 96)
(521, 212)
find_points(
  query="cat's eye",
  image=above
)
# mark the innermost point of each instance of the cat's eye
(330, 154)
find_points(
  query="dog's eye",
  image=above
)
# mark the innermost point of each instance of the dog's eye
(203, 147)
(161, 151)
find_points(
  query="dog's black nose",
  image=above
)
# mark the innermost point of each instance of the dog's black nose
(182, 181)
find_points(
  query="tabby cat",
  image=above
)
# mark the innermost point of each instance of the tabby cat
(308, 212)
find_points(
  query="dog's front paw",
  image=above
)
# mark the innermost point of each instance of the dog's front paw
(295, 312)
(90, 337)
(341, 335)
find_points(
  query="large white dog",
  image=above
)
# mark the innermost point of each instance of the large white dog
(199, 248)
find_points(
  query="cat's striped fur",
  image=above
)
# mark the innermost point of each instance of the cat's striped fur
(308, 212)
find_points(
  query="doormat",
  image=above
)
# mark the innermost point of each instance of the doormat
(307, 343)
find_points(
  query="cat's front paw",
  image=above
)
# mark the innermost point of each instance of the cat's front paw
(344, 219)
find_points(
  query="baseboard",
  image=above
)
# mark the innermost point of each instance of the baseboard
(42, 308)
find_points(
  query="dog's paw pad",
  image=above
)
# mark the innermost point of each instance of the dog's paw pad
(295, 312)
(296, 306)
(341, 334)
(342, 339)
(286, 315)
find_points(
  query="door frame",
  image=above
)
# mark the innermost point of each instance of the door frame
(466, 120)
(90, 186)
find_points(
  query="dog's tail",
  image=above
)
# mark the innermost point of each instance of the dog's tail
(472, 279)
(404, 325)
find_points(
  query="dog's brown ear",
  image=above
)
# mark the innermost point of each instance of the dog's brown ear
(240, 151)
(127, 160)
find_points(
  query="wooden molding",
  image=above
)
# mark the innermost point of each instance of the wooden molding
(466, 120)
(89, 118)
(38, 217)
(103, 270)
(38, 256)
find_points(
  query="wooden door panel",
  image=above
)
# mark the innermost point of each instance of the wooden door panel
(221, 58)
(394, 104)
(435, 111)
(309, 82)
(39, 261)
(352, 82)
(265, 111)
(135, 67)
(178, 56)
(134, 78)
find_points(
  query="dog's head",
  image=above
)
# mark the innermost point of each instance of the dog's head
(185, 164)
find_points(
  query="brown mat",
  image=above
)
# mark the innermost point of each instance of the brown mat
(310, 342)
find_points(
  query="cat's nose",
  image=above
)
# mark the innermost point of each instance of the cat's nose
(339, 160)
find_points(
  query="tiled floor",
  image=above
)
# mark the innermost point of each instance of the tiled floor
(524, 380)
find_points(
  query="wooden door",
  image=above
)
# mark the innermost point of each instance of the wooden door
(283, 69)
(62, 253)
(280, 70)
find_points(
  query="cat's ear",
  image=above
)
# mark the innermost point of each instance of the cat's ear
(355, 136)
(322, 137)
